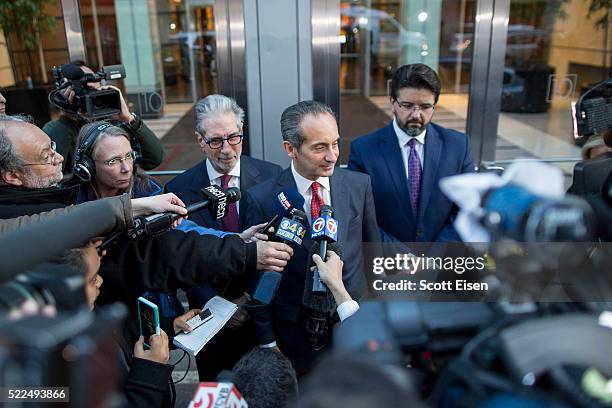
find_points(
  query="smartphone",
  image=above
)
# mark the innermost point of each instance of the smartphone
(199, 319)
(148, 319)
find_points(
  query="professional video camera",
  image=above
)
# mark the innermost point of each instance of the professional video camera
(89, 103)
(531, 348)
(593, 115)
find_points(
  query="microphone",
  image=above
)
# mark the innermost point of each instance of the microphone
(217, 395)
(286, 201)
(72, 71)
(290, 231)
(319, 301)
(324, 230)
(216, 202)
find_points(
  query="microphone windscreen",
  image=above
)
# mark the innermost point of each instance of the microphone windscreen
(287, 200)
(233, 194)
(72, 71)
(322, 302)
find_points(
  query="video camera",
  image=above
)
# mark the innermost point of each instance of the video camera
(89, 103)
(593, 115)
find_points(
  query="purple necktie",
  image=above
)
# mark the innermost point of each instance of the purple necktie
(414, 176)
(230, 221)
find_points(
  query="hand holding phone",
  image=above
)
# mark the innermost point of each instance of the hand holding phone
(148, 320)
(199, 319)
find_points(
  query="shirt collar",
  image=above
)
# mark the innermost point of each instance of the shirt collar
(214, 174)
(403, 137)
(303, 184)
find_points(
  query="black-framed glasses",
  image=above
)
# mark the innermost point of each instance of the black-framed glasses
(217, 142)
(129, 158)
(413, 107)
(49, 160)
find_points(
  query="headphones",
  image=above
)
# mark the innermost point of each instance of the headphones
(84, 167)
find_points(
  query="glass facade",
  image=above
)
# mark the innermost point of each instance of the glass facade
(554, 51)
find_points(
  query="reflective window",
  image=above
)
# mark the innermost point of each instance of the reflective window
(377, 37)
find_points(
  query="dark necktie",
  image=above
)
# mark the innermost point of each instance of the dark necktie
(414, 176)
(230, 221)
(316, 202)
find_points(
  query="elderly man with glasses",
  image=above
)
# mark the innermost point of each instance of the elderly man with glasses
(407, 159)
(219, 133)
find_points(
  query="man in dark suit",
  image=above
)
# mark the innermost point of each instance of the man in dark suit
(407, 159)
(310, 138)
(219, 123)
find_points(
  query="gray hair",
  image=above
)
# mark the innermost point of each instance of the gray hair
(9, 159)
(214, 105)
(292, 117)
(109, 131)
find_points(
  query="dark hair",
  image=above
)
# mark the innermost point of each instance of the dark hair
(358, 383)
(292, 117)
(418, 76)
(265, 378)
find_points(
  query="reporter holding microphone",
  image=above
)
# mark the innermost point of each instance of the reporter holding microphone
(330, 273)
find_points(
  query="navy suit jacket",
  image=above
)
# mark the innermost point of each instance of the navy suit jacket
(353, 203)
(188, 185)
(447, 153)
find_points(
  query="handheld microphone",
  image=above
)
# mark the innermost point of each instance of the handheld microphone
(324, 230)
(216, 202)
(290, 231)
(218, 395)
(286, 201)
(319, 301)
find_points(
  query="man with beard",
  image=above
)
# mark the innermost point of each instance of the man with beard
(407, 158)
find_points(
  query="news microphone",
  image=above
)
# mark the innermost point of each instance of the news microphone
(290, 231)
(319, 301)
(324, 230)
(286, 201)
(217, 395)
(217, 202)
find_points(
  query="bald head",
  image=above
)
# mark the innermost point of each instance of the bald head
(27, 157)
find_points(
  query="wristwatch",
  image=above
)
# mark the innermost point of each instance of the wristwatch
(135, 122)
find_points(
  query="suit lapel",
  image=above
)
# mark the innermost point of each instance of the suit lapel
(249, 174)
(433, 149)
(392, 156)
(341, 203)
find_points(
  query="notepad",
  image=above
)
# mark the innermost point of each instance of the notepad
(195, 341)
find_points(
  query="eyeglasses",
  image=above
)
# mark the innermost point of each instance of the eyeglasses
(129, 158)
(217, 142)
(49, 160)
(413, 107)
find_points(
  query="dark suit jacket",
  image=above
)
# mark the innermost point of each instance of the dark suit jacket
(447, 152)
(351, 198)
(188, 185)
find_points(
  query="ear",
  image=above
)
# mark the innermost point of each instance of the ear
(198, 138)
(392, 104)
(12, 178)
(290, 149)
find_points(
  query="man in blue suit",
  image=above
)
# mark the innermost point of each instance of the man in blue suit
(407, 159)
(310, 138)
(219, 123)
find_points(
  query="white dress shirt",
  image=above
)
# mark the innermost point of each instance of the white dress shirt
(403, 138)
(215, 178)
(303, 187)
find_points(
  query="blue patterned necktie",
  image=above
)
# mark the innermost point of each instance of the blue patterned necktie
(414, 176)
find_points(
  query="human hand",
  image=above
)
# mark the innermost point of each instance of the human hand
(159, 351)
(241, 316)
(273, 256)
(180, 322)
(158, 204)
(330, 273)
(252, 234)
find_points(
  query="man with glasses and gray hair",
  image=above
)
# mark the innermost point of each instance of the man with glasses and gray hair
(407, 159)
(219, 133)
